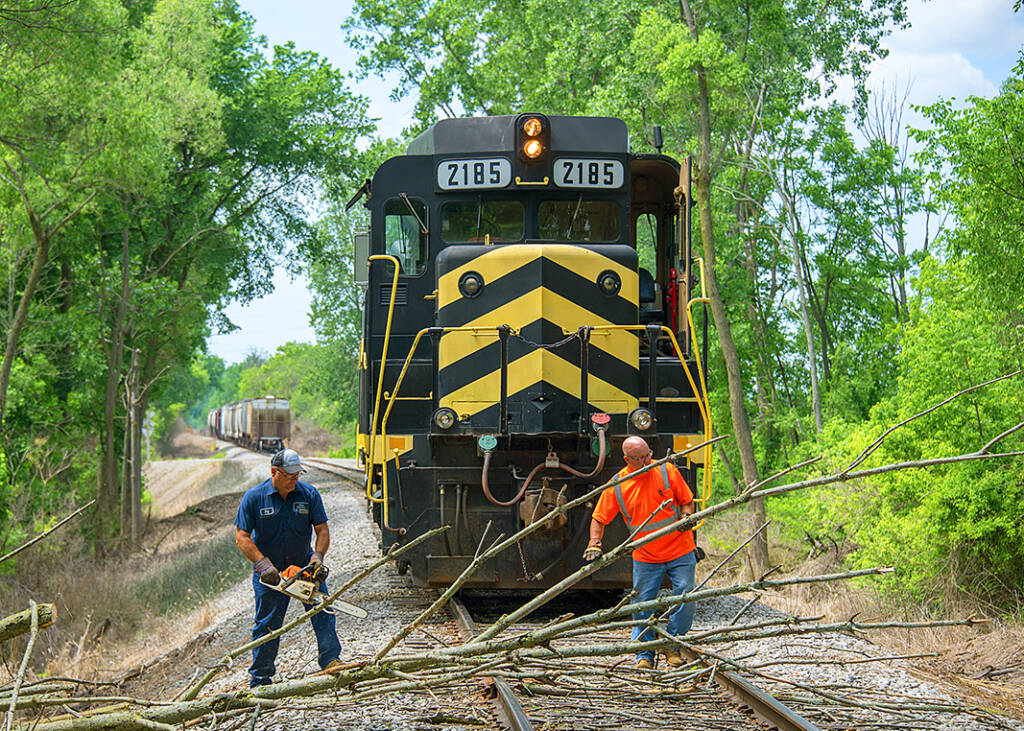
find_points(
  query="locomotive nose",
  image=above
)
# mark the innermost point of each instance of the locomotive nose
(539, 374)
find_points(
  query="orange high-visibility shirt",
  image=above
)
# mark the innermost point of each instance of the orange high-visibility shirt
(642, 495)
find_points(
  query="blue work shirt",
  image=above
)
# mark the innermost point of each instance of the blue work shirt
(281, 527)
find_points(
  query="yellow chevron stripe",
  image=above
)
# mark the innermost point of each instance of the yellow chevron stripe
(538, 365)
(530, 307)
(501, 260)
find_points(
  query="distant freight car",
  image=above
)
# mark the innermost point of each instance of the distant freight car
(263, 424)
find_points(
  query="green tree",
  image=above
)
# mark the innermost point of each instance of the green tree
(956, 528)
(979, 174)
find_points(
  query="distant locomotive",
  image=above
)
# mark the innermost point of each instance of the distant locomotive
(527, 306)
(263, 424)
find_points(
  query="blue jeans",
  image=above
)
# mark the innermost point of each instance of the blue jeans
(271, 606)
(647, 579)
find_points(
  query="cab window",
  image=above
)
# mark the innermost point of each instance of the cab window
(647, 241)
(404, 222)
(579, 220)
(472, 221)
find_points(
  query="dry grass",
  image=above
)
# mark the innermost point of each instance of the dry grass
(982, 664)
(118, 612)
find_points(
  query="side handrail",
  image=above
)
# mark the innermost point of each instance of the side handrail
(703, 382)
(392, 397)
(380, 379)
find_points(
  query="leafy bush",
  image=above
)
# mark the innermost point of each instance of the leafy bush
(948, 528)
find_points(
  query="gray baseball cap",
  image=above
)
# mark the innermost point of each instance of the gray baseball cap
(288, 460)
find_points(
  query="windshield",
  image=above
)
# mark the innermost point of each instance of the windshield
(470, 221)
(579, 220)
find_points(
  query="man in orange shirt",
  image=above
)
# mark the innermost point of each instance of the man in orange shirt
(664, 493)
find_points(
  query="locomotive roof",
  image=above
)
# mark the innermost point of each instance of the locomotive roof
(469, 135)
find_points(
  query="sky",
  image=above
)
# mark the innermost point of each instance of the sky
(954, 48)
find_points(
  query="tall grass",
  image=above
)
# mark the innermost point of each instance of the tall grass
(190, 577)
(102, 603)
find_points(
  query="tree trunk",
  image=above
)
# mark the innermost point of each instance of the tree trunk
(42, 240)
(805, 316)
(795, 230)
(135, 425)
(740, 423)
(126, 477)
(108, 473)
(758, 552)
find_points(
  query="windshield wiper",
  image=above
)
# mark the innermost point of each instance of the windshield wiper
(579, 204)
(408, 204)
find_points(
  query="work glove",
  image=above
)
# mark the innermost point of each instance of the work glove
(268, 574)
(318, 570)
(593, 552)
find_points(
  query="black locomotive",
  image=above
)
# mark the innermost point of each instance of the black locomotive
(528, 291)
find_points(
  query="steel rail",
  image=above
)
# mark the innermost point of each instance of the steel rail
(763, 704)
(510, 712)
(353, 474)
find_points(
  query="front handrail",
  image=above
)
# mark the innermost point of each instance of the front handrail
(701, 392)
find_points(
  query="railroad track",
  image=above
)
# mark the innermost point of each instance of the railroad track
(609, 692)
(724, 700)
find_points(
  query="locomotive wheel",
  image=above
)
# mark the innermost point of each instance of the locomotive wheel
(403, 567)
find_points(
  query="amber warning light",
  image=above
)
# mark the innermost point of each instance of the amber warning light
(533, 137)
(532, 126)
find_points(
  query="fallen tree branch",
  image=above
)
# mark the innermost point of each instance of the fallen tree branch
(24, 663)
(875, 444)
(492, 654)
(442, 600)
(45, 533)
(38, 615)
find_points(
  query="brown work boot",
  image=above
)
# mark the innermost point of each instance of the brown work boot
(673, 658)
(334, 666)
(645, 664)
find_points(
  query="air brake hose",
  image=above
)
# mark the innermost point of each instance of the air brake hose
(602, 453)
(522, 490)
(600, 459)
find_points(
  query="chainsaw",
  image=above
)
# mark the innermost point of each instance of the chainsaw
(304, 584)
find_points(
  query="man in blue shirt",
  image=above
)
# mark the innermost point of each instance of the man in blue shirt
(273, 527)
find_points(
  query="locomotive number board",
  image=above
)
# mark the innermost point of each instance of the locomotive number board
(495, 172)
(580, 172)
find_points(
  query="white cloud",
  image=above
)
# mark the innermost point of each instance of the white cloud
(973, 27)
(946, 74)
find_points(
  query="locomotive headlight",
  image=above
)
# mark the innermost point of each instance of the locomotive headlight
(533, 149)
(609, 283)
(641, 419)
(470, 284)
(532, 126)
(444, 418)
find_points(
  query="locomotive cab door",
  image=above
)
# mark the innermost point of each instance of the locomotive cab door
(653, 216)
(401, 219)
